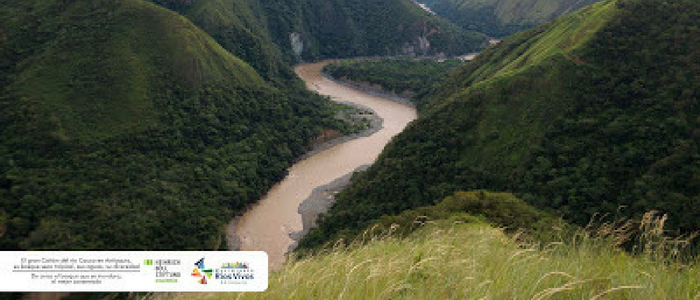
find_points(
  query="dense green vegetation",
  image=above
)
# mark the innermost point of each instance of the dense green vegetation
(501, 210)
(124, 126)
(325, 29)
(342, 28)
(594, 113)
(499, 18)
(410, 78)
(239, 29)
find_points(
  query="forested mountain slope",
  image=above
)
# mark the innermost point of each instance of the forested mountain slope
(314, 29)
(125, 126)
(499, 18)
(595, 113)
(133, 123)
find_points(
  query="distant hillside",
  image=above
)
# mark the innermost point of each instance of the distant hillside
(595, 113)
(340, 28)
(311, 29)
(499, 18)
(125, 126)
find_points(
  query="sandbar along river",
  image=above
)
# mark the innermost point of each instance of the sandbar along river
(267, 225)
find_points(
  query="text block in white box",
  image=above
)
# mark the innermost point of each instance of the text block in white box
(133, 271)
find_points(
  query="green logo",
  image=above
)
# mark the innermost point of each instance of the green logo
(147, 262)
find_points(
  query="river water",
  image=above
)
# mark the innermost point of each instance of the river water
(267, 225)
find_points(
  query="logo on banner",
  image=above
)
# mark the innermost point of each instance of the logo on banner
(234, 273)
(201, 272)
(236, 265)
(228, 273)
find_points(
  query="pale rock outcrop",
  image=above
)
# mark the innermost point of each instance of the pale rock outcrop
(297, 43)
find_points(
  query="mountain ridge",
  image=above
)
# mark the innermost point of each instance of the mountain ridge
(499, 18)
(312, 30)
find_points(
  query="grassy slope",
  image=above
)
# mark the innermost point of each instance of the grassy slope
(237, 26)
(503, 17)
(533, 47)
(74, 66)
(523, 52)
(126, 126)
(458, 256)
(569, 127)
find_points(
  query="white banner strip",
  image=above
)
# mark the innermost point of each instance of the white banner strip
(133, 271)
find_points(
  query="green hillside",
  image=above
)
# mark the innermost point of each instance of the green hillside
(499, 18)
(342, 28)
(240, 30)
(326, 29)
(596, 113)
(125, 126)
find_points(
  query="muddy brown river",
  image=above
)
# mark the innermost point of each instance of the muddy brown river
(267, 225)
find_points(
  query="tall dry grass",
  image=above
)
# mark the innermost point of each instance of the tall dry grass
(475, 261)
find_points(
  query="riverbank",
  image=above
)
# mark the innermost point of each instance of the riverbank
(374, 91)
(292, 205)
(361, 113)
(315, 205)
(401, 80)
(319, 202)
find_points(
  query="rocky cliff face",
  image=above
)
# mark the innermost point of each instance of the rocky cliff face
(297, 43)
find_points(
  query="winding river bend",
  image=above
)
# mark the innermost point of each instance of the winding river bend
(268, 224)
